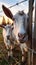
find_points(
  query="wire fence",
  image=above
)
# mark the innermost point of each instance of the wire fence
(15, 4)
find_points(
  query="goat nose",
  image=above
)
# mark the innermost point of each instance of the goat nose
(8, 37)
(21, 36)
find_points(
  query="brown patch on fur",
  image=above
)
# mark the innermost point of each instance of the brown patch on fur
(4, 21)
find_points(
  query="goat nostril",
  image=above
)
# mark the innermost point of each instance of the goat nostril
(21, 35)
(7, 37)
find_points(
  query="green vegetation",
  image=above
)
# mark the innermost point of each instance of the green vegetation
(1, 37)
(0, 30)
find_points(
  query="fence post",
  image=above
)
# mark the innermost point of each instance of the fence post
(30, 29)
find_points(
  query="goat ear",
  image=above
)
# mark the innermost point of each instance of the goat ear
(7, 12)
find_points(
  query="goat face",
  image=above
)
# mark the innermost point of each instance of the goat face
(20, 27)
(8, 30)
(7, 33)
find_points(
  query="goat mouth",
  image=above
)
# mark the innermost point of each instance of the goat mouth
(23, 40)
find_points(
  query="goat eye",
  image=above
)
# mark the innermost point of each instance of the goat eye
(12, 24)
(12, 28)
